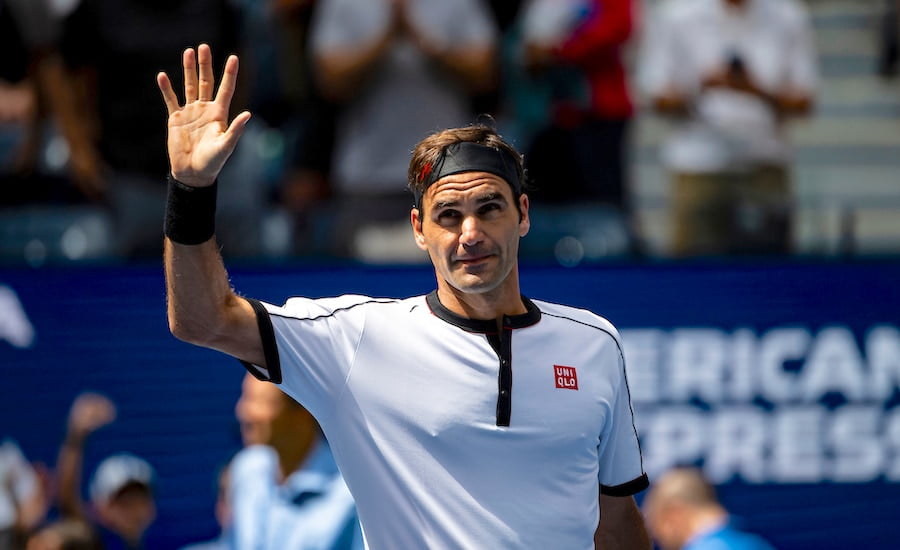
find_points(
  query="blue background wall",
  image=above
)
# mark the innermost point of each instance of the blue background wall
(104, 329)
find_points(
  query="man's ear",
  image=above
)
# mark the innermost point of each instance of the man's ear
(416, 221)
(524, 220)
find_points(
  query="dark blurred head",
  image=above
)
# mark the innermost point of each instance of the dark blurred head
(679, 502)
(122, 495)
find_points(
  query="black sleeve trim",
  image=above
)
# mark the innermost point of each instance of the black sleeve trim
(626, 489)
(270, 347)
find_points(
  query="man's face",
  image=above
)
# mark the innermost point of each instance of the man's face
(261, 411)
(662, 522)
(130, 511)
(470, 227)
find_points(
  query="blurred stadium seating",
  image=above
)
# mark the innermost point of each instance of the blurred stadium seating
(847, 160)
(847, 155)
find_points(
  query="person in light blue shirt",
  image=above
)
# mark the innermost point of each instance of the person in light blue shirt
(286, 492)
(683, 513)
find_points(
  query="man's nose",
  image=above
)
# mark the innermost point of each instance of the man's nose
(470, 231)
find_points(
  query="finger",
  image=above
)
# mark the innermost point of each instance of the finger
(204, 56)
(189, 65)
(229, 80)
(169, 97)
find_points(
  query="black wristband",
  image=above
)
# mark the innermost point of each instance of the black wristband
(190, 212)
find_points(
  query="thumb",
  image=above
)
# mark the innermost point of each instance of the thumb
(236, 130)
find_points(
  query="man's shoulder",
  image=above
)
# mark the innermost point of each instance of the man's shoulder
(578, 316)
(319, 307)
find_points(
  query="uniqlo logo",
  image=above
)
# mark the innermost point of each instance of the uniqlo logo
(566, 377)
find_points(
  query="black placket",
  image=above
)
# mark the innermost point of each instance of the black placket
(501, 342)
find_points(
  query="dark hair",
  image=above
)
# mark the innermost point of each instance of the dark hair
(428, 152)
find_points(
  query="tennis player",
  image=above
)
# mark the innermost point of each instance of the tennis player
(471, 417)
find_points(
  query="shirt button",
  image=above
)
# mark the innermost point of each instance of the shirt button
(504, 393)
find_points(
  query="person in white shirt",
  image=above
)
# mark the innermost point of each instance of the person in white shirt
(23, 498)
(729, 73)
(398, 69)
(471, 417)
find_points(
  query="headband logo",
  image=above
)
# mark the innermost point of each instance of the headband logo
(425, 171)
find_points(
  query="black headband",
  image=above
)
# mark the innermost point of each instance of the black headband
(466, 156)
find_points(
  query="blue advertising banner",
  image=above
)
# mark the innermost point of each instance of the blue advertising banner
(780, 380)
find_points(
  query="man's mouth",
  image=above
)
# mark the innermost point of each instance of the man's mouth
(473, 259)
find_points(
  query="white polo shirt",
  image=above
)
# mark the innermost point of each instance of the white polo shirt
(687, 40)
(451, 435)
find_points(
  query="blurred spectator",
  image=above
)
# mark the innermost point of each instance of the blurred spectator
(398, 69)
(292, 124)
(286, 491)
(23, 496)
(573, 100)
(122, 505)
(114, 49)
(730, 73)
(65, 534)
(683, 513)
(32, 91)
(223, 515)
(18, 105)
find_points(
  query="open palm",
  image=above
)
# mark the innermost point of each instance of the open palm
(200, 137)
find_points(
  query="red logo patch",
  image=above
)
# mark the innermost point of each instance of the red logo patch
(566, 377)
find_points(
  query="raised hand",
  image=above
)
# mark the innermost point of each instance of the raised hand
(90, 412)
(200, 137)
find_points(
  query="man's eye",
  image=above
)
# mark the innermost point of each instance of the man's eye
(448, 215)
(489, 207)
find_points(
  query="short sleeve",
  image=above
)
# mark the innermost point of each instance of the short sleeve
(621, 471)
(310, 346)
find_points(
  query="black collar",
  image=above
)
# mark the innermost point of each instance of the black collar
(484, 326)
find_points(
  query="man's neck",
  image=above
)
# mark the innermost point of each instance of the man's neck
(292, 456)
(484, 306)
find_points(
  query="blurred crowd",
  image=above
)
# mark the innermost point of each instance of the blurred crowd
(340, 90)
(280, 490)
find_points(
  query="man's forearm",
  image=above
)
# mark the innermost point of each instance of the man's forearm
(68, 472)
(621, 525)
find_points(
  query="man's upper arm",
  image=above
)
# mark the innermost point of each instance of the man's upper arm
(239, 336)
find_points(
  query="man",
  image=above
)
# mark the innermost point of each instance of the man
(683, 513)
(416, 397)
(730, 73)
(286, 492)
(122, 505)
